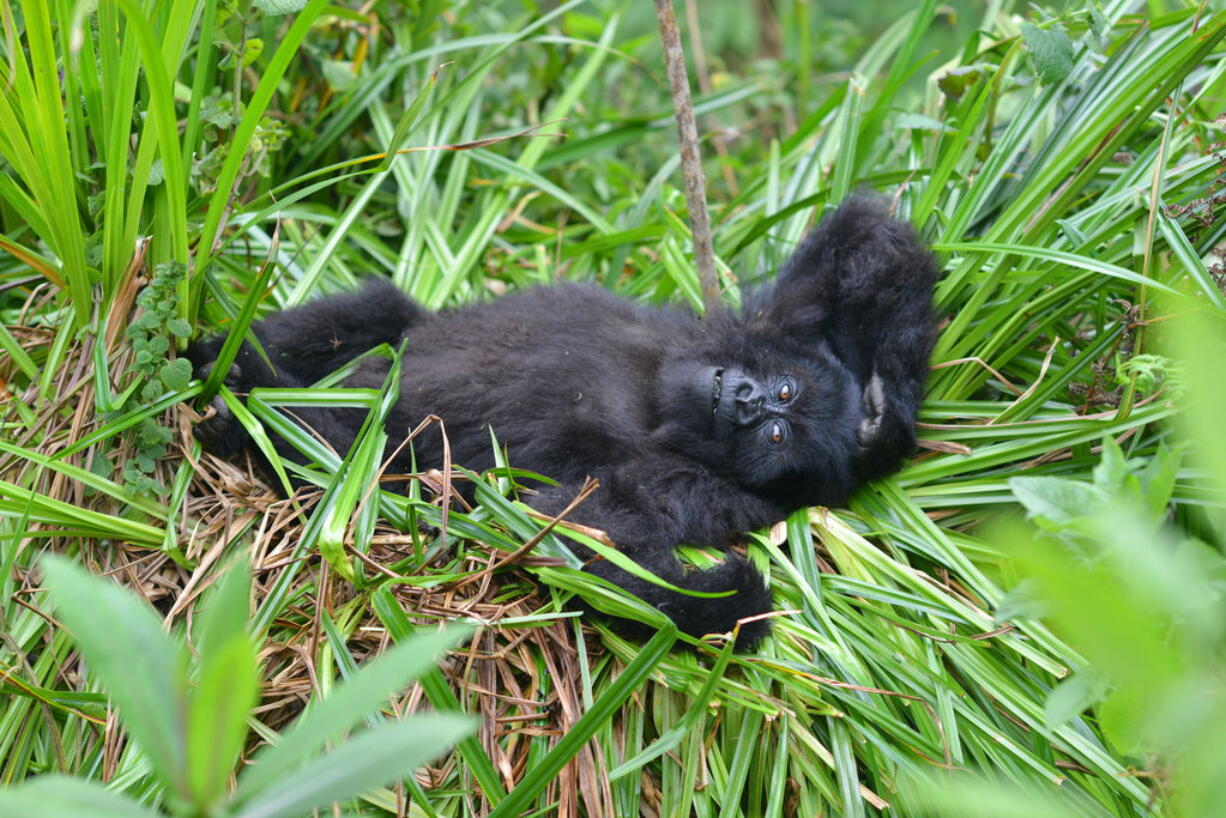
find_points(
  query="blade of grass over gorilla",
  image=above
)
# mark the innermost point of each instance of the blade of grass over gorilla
(513, 515)
(387, 608)
(606, 597)
(357, 477)
(309, 445)
(247, 418)
(678, 267)
(603, 709)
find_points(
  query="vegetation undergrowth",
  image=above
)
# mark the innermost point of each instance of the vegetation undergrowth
(935, 652)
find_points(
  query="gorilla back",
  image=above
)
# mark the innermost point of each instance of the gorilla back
(698, 430)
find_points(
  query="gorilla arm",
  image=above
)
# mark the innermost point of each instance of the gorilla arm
(648, 508)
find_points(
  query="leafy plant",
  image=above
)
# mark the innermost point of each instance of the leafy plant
(152, 335)
(1142, 602)
(188, 714)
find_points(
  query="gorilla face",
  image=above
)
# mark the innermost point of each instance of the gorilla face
(780, 425)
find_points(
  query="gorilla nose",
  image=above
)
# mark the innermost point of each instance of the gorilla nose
(748, 405)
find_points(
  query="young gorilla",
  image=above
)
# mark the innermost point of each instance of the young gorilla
(697, 429)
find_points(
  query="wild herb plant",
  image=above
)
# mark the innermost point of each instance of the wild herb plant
(187, 712)
(152, 335)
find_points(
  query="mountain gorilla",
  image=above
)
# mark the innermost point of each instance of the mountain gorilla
(697, 429)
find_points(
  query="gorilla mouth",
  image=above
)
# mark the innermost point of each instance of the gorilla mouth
(717, 389)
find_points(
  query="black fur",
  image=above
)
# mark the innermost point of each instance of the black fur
(673, 414)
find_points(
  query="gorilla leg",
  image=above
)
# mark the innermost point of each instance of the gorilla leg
(320, 336)
(301, 346)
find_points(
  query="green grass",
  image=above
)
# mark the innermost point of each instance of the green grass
(934, 653)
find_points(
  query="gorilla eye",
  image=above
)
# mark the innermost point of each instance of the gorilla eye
(785, 391)
(776, 432)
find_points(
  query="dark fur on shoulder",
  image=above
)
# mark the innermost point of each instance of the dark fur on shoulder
(698, 430)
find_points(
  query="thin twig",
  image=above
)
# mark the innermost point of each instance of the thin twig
(691, 163)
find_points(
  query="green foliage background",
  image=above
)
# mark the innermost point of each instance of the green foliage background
(1026, 620)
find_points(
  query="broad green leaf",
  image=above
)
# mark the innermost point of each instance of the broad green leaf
(1072, 696)
(1051, 50)
(1056, 499)
(1158, 480)
(176, 374)
(340, 74)
(352, 701)
(961, 794)
(58, 796)
(141, 668)
(1112, 471)
(920, 122)
(1126, 715)
(372, 758)
(217, 719)
(225, 610)
(1098, 613)
(275, 8)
